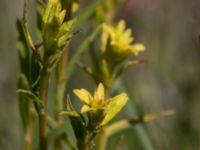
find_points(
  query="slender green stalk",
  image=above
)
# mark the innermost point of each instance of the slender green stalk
(102, 140)
(61, 79)
(60, 90)
(44, 84)
(84, 144)
(29, 131)
(60, 84)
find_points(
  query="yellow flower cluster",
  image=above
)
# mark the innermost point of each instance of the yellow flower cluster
(54, 30)
(118, 40)
(109, 107)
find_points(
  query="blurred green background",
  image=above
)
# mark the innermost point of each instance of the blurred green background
(170, 30)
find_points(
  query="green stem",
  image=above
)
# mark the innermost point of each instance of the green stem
(29, 131)
(61, 75)
(84, 145)
(60, 84)
(102, 140)
(60, 91)
(44, 84)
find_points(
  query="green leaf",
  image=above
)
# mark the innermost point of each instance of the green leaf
(23, 50)
(70, 113)
(53, 60)
(27, 35)
(36, 68)
(24, 23)
(114, 106)
(130, 110)
(23, 100)
(79, 126)
(65, 32)
(77, 121)
(31, 96)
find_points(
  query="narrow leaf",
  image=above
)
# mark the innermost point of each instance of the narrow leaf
(31, 96)
(23, 49)
(23, 101)
(114, 106)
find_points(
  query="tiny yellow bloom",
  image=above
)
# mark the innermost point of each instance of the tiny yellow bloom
(98, 105)
(55, 31)
(94, 102)
(118, 40)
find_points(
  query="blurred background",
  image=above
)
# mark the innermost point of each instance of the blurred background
(170, 31)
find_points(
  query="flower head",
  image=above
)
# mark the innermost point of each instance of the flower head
(98, 106)
(55, 31)
(117, 42)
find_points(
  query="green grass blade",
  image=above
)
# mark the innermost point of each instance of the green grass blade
(23, 100)
(130, 111)
(23, 50)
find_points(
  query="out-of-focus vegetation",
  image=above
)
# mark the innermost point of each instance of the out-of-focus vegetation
(170, 31)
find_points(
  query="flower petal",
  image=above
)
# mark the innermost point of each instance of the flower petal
(121, 26)
(136, 48)
(85, 108)
(99, 94)
(83, 95)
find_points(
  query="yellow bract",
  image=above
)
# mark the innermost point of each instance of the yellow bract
(108, 107)
(120, 40)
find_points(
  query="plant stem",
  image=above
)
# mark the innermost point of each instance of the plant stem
(102, 140)
(61, 79)
(29, 131)
(44, 84)
(60, 90)
(60, 84)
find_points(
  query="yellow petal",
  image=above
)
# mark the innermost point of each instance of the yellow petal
(83, 95)
(127, 36)
(85, 108)
(99, 94)
(136, 48)
(121, 26)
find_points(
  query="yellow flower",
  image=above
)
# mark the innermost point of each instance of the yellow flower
(55, 31)
(117, 41)
(98, 105)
